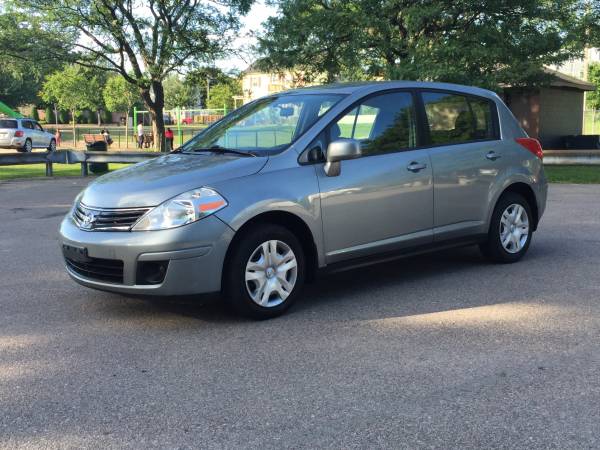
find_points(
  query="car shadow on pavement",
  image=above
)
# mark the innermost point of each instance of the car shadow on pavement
(440, 281)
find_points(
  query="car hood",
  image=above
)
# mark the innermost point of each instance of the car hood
(152, 182)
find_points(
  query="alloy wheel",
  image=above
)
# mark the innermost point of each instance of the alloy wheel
(271, 273)
(514, 228)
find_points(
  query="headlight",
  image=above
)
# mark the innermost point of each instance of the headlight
(183, 209)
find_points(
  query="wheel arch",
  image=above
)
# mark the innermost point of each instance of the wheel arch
(288, 220)
(528, 193)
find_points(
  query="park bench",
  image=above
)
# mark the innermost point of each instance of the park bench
(90, 139)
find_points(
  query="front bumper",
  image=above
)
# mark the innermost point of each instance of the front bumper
(195, 252)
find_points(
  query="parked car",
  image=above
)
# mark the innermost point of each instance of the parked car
(317, 179)
(25, 135)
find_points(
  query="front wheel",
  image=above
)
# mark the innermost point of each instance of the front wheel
(52, 146)
(265, 272)
(510, 230)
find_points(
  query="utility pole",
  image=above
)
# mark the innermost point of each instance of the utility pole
(207, 89)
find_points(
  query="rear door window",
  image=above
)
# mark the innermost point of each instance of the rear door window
(4, 123)
(27, 124)
(383, 123)
(454, 118)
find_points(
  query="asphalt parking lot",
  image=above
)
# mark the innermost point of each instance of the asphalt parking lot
(440, 351)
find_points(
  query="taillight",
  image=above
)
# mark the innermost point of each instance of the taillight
(18, 133)
(533, 145)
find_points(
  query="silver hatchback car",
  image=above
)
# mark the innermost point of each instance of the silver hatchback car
(313, 179)
(25, 135)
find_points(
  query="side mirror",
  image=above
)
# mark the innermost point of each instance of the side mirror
(338, 151)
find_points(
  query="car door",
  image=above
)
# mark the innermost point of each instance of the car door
(466, 157)
(27, 126)
(43, 138)
(383, 200)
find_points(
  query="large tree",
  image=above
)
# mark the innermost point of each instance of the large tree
(179, 94)
(144, 40)
(119, 95)
(73, 89)
(481, 42)
(23, 65)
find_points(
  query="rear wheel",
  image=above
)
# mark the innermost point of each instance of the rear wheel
(28, 146)
(265, 272)
(510, 229)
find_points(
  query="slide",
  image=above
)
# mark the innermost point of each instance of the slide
(9, 112)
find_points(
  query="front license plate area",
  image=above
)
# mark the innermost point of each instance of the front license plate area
(74, 253)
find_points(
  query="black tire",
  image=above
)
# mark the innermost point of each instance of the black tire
(234, 279)
(52, 145)
(28, 146)
(493, 248)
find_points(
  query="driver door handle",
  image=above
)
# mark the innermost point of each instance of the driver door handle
(416, 167)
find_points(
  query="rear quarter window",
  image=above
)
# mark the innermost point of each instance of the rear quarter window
(454, 118)
(8, 123)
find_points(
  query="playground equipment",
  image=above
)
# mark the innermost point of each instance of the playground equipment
(5, 110)
(181, 116)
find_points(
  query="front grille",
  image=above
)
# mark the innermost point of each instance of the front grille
(102, 219)
(110, 270)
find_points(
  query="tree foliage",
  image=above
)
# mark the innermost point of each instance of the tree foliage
(221, 95)
(179, 94)
(119, 95)
(144, 40)
(480, 42)
(73, 89)
(593, 98)
(24, 65)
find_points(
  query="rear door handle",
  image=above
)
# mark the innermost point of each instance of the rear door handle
(493, 156)
(416, 167)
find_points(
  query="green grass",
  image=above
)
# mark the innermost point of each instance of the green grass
(573, 174)
(39, 170)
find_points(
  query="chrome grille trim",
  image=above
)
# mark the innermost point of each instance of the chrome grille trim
(106, 219)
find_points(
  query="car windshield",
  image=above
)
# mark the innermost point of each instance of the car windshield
(265, 126)
(8, 123)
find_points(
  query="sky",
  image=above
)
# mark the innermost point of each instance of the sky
(251, 23)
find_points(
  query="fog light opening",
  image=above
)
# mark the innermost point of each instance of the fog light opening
(151, 272)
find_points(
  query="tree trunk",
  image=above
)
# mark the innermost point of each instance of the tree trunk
(98, 117)
(156, 107)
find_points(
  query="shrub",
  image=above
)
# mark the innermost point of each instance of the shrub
(50, 115)
(63, 116)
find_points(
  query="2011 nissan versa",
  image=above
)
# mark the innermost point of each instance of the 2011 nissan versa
(318, 178)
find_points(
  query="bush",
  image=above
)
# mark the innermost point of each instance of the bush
(50, 115)
(107, 117)
(63, 116)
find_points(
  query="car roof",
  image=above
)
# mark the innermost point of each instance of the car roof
(374, 86)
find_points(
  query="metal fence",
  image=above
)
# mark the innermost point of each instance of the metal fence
(117, 133)
(551, 158)
(591, 121)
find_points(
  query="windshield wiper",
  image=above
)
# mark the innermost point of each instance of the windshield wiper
(219, 149)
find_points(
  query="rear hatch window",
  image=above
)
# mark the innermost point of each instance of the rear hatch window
(8, 123)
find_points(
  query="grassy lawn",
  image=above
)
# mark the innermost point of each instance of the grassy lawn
(39, 170)
(573, 174)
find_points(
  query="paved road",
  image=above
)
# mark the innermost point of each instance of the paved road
(442, 351)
